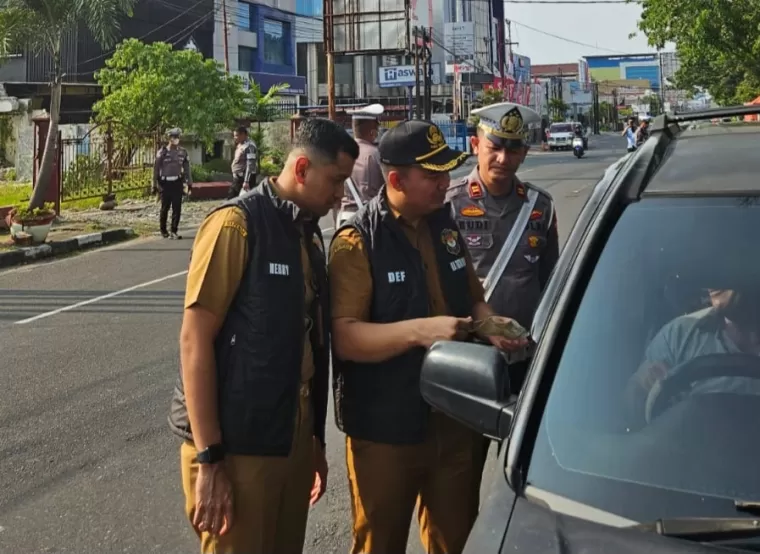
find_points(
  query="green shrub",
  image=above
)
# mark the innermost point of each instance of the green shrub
(200, 174)
(218, 165)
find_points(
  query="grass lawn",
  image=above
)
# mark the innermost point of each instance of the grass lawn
(12, 194)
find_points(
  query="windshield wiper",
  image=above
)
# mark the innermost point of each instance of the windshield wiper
(704, 529)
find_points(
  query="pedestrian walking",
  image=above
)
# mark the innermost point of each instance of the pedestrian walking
(400, 280)
(630, 134)
(642, 133)
(171, 171)
(245, 164)
(367, 178)
(251, 400)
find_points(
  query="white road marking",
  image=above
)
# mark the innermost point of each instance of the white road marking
(99, 298)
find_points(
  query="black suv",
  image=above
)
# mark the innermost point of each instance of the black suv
(637, 428)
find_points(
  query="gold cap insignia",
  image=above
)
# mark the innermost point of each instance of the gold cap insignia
(435, 137)
(512, 122)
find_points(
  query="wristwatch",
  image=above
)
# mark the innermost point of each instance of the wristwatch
(211, 455)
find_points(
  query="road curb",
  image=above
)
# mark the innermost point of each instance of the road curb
(23, 255)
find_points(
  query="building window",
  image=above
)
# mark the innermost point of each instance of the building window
(243, 14)
(246, 58)
(275, 41)
(309, 7)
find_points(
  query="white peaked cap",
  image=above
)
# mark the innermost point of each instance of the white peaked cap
(373, 111)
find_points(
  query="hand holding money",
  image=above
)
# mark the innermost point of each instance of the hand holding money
(504, 333)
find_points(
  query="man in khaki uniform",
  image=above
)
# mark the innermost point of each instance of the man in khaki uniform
(400, 280)
(367, 178)
(251, 401)
(245, 164)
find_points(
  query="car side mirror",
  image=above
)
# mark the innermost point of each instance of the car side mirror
(469, 383)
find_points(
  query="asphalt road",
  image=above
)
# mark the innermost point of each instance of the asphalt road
(90, 356)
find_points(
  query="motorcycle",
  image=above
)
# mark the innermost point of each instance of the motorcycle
(578, 147)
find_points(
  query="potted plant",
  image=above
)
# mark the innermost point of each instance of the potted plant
(36, 222)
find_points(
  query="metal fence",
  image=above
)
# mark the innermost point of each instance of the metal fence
(96, 164)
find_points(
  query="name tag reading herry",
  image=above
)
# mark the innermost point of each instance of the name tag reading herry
(279, 269)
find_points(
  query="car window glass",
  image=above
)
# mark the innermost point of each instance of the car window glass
(562, 128)
(653, 409)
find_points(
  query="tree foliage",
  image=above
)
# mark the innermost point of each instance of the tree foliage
(41, 26)
(717, 42)
(149, 88)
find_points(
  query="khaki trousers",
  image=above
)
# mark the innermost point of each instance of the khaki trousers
(439, 476)
(270, 494)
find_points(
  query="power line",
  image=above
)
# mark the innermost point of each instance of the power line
(579, 43)
(105, 54)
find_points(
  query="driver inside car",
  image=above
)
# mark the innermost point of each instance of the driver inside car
(731, 325)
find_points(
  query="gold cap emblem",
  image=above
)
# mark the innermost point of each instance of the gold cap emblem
(512, 122)
(435, 137)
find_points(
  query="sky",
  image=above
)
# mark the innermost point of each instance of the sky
(602, 28)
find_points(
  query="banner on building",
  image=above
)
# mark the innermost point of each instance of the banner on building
(459, 45)
(583, 75)
(404, 76)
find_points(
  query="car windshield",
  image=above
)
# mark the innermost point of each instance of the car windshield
(654, 406)
(562, 128)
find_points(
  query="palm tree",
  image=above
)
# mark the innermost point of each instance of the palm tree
(41, 26)
(261, 108)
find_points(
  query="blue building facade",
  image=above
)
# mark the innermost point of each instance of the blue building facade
(271, 59)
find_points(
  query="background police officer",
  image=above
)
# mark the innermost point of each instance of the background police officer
(171, 171)
(367, 176)
(251, 402)
(245, 163)
(400, 280)
(507, 220)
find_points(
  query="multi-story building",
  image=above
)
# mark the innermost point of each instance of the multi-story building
(184, 23)
(260, 43)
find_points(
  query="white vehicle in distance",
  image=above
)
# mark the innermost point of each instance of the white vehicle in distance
(561, 135)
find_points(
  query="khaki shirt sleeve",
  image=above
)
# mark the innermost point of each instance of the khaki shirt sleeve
(476, 287)
(350, 277)
(219, 257)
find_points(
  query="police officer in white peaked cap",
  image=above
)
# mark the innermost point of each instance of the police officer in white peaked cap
(367, 178)
(171, 171)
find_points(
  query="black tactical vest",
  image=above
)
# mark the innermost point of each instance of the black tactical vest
(381, 402)
(259, 348)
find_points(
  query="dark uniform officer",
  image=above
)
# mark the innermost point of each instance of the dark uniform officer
(251, 401)
(367, 178)
(170, 173)
(500, 215)
(245, 163)
(400, 279)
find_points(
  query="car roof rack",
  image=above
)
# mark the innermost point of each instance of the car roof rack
(664, 121)
(664, 128)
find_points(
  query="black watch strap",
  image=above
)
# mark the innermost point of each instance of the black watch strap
(211, 455)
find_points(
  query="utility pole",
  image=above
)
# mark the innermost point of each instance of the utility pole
(510, 58)
(419, 66)
(226, 31)
(428, 65)
(327, 32)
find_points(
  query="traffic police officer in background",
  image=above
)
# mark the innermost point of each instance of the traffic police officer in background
(251, 401)
(245, 163)
(367, 178)
(400, 280)
(510, 226)
(171, 171)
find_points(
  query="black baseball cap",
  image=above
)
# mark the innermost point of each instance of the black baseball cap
(421, 143)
